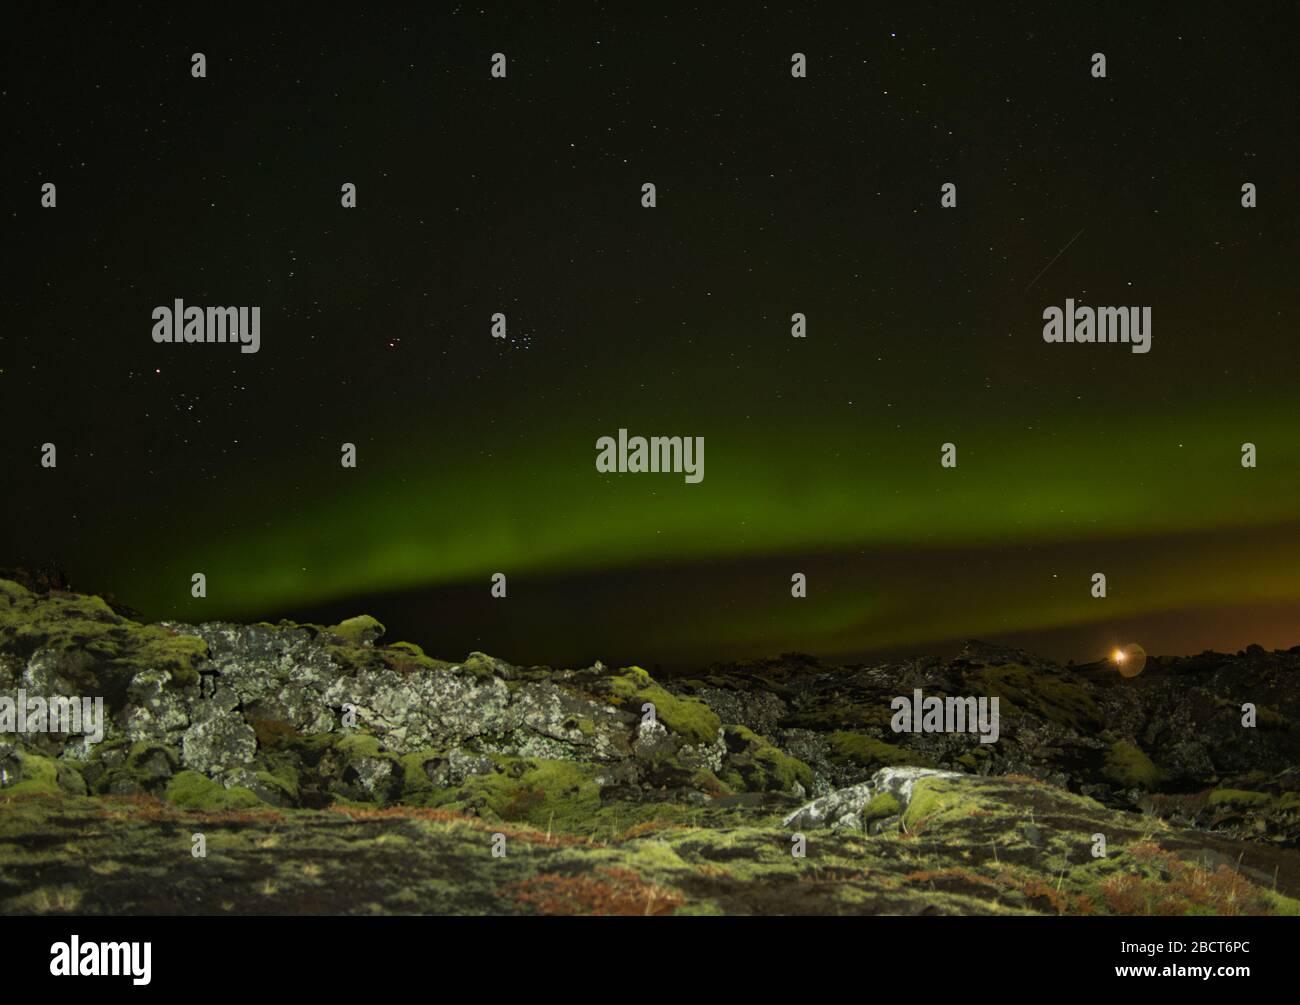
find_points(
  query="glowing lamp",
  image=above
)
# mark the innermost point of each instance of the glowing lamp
(1129, 659)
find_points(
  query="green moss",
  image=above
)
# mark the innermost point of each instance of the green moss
(881, 806)
(140, 767)
(826, 719)
(972, 758)
(359, 745)
(868, 752)
(689, 717)
(930, 798)
(755, 764)
(944, 803)
(481, 665)
(1281, 904)
(1020, 689)
(314, 746)
(704, 780)
(119, 647)
(963, 853)
(667, 769)
(158, 648)
(416, 782)
(191, 790)
(145, 753)
(549, 794)
(405, 657)
(36, 774)
(1238, 797)
(283, 779)
(46, 900)
(358, 630)
(1127, 765)
(71, 779)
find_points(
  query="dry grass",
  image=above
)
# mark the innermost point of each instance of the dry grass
(1180, 887)
(525, 834)
(610, 891)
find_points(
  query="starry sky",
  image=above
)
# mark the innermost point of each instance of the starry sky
(775, 195)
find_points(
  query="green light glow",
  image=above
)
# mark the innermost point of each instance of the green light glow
(1079, 491)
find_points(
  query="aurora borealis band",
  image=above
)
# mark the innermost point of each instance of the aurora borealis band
(476, 455)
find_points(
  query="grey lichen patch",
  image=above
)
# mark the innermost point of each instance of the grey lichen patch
(219, 743)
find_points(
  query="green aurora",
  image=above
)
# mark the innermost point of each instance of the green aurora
(899, 550)
(821, 196)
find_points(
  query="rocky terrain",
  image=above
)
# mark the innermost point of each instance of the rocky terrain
(321, 770)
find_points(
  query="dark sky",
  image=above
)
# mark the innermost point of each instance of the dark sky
(775, 196)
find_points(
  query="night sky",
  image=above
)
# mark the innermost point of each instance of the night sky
(775, 195)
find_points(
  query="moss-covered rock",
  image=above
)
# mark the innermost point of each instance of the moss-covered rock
(361, 630)
(1043, 693)
(127, 769)
(1238, 797)
(246, 724)
(755, 764)
(1127, 765)
(688, 717)
(355, 767)
(190, 790)
(88, 647)
(882, 806)
(25, 773)
(868, 753)
(559, 796)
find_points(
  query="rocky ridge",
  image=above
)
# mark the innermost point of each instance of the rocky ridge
(631, 794)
